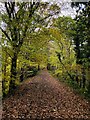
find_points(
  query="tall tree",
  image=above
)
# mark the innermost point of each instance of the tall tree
(17, 19)
(82, 36)
(21, 19)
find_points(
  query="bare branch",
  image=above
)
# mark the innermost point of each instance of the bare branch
(5, 33)
(7, 9)
(10, 8)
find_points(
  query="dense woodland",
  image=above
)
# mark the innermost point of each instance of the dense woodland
(35, 36)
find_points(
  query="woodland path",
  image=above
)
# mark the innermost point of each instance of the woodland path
(44, 97)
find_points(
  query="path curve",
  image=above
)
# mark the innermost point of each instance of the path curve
(44, 97)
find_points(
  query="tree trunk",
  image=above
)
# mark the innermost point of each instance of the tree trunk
(80, 84)
(48, 66)
(22, 75)
(83, 77)
(38, 67)
(13, 73)
(77, 80)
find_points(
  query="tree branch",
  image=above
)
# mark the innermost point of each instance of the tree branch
(48, 16)
(5, 34)
(32, 9)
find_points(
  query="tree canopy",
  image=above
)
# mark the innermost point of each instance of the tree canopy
(35, 36)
